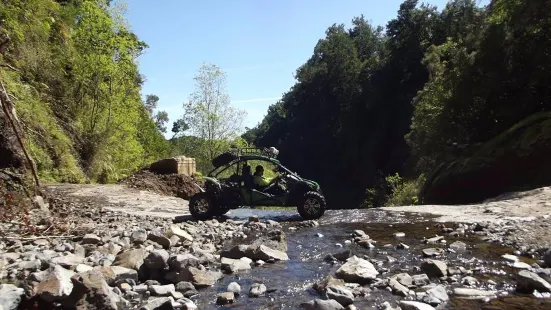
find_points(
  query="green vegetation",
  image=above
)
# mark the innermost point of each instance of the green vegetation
(71, 69)
(372, 101)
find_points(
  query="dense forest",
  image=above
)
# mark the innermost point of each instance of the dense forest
(372, 102)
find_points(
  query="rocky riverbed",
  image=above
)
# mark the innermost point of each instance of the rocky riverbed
(349, 259)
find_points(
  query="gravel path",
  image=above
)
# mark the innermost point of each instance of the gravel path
(120, 198)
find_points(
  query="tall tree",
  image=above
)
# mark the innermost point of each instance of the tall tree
(209, 113)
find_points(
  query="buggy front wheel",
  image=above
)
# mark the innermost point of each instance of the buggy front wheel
(311, 206)
(201, 206)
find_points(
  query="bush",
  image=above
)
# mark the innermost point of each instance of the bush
(403, 192)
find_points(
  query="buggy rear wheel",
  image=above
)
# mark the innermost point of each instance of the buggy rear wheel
(201, 206)
(311, 206)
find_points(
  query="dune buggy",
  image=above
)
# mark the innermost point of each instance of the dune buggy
(230, 185)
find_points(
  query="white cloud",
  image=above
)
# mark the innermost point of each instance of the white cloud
(256, 100)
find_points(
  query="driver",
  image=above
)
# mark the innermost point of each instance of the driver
(259, 179)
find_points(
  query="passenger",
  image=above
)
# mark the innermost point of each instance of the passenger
(247, 176)
(259, 180)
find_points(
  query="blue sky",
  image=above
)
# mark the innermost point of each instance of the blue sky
(259, 44)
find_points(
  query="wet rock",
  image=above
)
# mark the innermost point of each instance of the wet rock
(434, 268)
(180, 233)
(473, 293)
(521, 265)
(235, 265)
(398, 288)
(357, 270)
(187, 304)
(510, 258)
(184, 286)
(328, 281)
(10, 296)
(33, 265)
(434, 240)
(138, 236)
(162, 303)
(547, 258)
(438, 294)
(470, 281)
(402, 246)
(341, 294)
(342, 256)
(91, 239)
(132, 259)
(529, 281)
(360, 233)
(56, 286)
(257, 289)
(414, 305)
(236, 252)
(458, 246)
(387, 306)
(235, 288)
(158, 237)
(433, 252)
(319, 304)
(157, 259)
(162, 290)
(404, 279)
(225, 298)
(399, 235)
(265, 253)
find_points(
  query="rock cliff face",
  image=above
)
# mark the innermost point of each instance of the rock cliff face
(11, 154)
(518, 159)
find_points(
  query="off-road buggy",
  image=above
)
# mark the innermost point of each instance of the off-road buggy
(229, 186)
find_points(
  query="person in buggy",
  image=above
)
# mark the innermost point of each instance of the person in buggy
(265, 184)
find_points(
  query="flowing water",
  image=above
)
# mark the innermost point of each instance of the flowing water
(289, 283)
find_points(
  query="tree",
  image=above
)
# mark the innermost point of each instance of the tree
(179, 127)
(160, 119)
(150, 103)
(209, 113)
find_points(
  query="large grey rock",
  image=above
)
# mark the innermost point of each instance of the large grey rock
(420, 279)
(529, 281)
(404, 279)
(439, 293)
(202, 278)
(257, 289)
(91, 291)
(458, 246)
(157, 259)
(68, 260)
(113, 274)
(265, 253)
(158, 237)
(162, 290)
(324, 283)
(161, 303)
(236, 252)
(180, 233)
(56, 286)
(235, 288)
(319, 304)
(398, 288)
(10, 296)
(138, 236)
(182, 261)
(510, 258)
(132, 259)
(357, 270)
(235, 265)
(414, 305)
(341, 294)
(473, 293)
(434, 268)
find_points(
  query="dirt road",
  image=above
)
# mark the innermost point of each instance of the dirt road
(117, 197)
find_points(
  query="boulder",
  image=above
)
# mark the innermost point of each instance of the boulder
(180, 233)
(433, 252)
(398, 288)
(235, 288)
(341, 294)
(236, 252)
(91, 239)
(320, 304)
(161, 303)
(434, 268)
(10, 296)
(157, 259)
(91, 291)
(404, 279)
(257, 289)
(162, 290)
(265, 253)
(182, 261)
(113, 274)
(328, 281)
(439, 294)
(473, 293)
(138, 236)
(357, 270)
(132, 259)
(458, 246)
(235, 265)
(529, 281)
(158, 237)
(414, 305)
(225, 298)
(56, 286)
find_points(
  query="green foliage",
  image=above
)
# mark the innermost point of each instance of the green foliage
(403, 192)
(77, 89)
